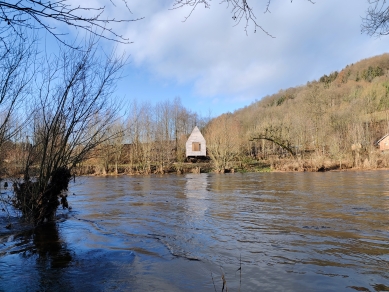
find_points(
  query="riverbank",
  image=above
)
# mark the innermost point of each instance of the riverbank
(269, 165)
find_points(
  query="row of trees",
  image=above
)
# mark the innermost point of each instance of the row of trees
(86, 134)
(152, 139)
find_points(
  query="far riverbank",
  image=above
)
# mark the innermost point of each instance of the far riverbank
(270, 165)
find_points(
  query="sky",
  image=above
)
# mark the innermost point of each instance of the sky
(215, 67)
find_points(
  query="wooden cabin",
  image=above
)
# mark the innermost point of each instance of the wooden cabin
(383, 143)
(196, 146)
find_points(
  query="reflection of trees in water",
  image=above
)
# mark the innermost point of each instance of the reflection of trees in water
(224, 183)
(196, 193)
(196, 185)
(49, 246)
(226, 189)
(52, 257)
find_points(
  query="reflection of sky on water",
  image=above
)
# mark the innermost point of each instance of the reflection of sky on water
(288, 232)
(196, 194)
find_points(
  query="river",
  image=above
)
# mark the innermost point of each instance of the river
(258, 231)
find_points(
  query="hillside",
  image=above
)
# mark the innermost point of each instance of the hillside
(329, 123)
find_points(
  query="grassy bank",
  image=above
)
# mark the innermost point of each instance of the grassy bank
(310, 164)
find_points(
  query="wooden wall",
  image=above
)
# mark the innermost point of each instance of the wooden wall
(196, 137)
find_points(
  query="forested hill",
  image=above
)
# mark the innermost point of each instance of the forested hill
(336, 118)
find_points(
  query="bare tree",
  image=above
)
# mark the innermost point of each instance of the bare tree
(117, 141)
(277, 135)
(164, 135)
(110, 151)
(223, 141)
(146, 139)
(16, 72)
(73, 113)
(140, 131)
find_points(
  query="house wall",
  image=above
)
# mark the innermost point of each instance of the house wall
(196, 136)
(384, 144)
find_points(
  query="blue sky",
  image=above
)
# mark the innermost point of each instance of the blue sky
(214, 67)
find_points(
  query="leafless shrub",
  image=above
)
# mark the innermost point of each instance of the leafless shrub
(72, 114)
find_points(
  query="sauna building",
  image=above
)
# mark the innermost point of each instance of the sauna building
(196, 146)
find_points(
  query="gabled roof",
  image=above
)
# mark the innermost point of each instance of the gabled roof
(196, 132)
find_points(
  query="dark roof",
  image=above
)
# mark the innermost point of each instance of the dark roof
(382, 139)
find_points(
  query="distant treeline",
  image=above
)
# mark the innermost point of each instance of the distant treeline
(146, 139)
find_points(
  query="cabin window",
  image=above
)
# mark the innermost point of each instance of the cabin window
(196, 146)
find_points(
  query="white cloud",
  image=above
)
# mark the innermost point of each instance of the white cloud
(219, 59)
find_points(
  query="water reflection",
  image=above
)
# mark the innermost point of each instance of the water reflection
(53, 258)
(288, 232)
(196, 194)
(51, 249)
(38, 257)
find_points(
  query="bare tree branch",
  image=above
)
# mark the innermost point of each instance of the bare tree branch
(16, 74)
(39, 14)
(241, 10)
(376, 21)
(275, 134)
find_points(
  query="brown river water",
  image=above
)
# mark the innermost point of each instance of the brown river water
(260, 231)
